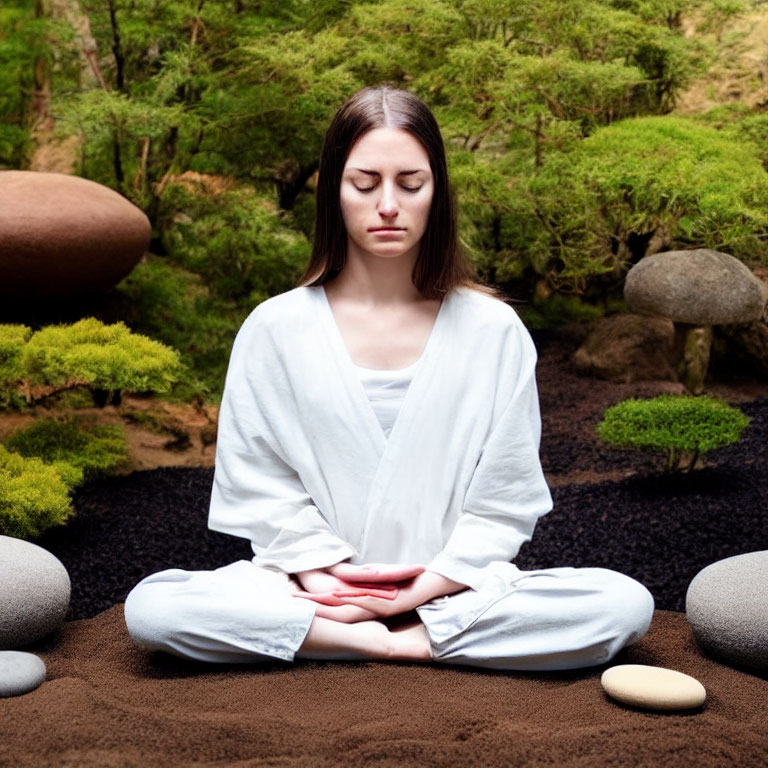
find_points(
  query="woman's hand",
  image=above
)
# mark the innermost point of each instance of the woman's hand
(334, 586)
(375, 573)
(425, 587)
(350, 603)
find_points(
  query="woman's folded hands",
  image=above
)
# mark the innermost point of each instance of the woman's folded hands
(351, 593)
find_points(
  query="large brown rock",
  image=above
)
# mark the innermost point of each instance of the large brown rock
(626, 348)
(64, 236)
(698, 287)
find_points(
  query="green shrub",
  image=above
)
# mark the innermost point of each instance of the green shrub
(77, 453)
(173, 305)
(101, 357)
(595, 209)
(33, 496)
(676, 425)
(559, 309)
(242, 246)
(12, 341)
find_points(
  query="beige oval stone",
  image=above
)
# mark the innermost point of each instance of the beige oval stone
(63, 236)
(653, 687)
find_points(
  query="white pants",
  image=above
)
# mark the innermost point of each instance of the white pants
(558, 618)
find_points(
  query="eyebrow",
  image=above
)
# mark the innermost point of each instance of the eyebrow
(399, 173)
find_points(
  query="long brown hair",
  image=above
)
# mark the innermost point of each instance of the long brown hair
(441, 264)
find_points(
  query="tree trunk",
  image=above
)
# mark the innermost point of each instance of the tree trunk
(117, 48)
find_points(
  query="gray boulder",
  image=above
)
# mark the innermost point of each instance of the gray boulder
(34, 592)
(698, 287)
(63, 236)
(626, 348)
(20, 673)
(727, 606)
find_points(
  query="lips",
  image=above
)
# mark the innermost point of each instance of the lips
(387, 229)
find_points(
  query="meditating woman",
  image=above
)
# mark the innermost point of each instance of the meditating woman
(378, 445)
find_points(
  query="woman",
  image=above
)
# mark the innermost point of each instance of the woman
(378, 444)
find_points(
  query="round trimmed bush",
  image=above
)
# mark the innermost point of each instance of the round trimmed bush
(105, 357)
(33, 496)
(678, 426)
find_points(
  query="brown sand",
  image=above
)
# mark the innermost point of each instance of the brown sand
(106, 703)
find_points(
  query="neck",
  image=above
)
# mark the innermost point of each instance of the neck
(377, 281)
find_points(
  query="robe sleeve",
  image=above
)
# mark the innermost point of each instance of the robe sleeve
(256, 493)
(507, 492)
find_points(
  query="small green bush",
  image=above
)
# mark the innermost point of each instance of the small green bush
(676, 425)
(100, 357)
(12, 341)
(33, 496)
(78, 453)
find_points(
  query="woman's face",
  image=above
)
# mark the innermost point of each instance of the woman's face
(386, 193)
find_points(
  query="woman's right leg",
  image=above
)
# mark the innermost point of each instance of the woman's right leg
(242, 613)
(237, 613)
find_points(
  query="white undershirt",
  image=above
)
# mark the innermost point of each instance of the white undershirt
(386, 390)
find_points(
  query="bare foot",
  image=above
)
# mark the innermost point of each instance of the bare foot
(411, 642)
(368, 640)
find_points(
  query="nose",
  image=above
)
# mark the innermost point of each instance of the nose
(387, 206)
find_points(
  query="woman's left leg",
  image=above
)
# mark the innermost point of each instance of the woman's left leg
(553, 619)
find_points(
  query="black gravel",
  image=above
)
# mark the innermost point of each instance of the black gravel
(660, 530)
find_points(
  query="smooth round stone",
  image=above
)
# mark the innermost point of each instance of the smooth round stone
(698, 287)
(652, 687)
(64, 236)
(34, 592)
(727, 607)
(20, 673)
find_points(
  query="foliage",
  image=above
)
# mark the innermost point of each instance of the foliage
(101, 357)
(41, 463)
(12, 341)
(237, 241)
(34, 51)
(33, 496)
(558, 309)
(173, 305)
(77, 453)
(594, 210)
(676, 425)
(526, 95)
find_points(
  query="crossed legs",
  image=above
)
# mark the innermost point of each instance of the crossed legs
(538, 620)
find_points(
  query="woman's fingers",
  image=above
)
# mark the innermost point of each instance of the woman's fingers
(357, 591)
(376, 572)
(336, 596)
(326, 598)
(371, 585)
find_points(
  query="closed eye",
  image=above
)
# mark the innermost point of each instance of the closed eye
(370, 189)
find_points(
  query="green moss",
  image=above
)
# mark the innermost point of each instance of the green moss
(33, 496)
(677, 426)
(79, 453)
(557, 310)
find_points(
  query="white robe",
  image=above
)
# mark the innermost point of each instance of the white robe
(305, 472)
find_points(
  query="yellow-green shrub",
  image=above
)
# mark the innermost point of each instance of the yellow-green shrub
(77, 452)
(33, 496)
(106, 357)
